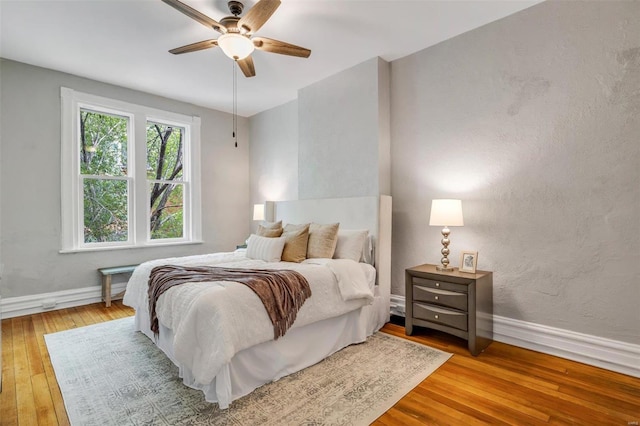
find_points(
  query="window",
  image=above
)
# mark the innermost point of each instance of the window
(130, 175)
(104, 178)
(164, 175)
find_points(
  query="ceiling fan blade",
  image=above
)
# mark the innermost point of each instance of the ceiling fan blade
(275, 46)
(193, 47)
(194, 14)
(257, 15)
(247, 67)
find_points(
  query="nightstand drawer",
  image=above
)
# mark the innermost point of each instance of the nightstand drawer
(443, 285)
(442, 316)
(448, 298)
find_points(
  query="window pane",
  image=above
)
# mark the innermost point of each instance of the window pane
(167, 208)
(103, 144)
(164, 151)
(105, 210)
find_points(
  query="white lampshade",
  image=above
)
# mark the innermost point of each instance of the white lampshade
(235, 46)
(446, 213)
(258, 212)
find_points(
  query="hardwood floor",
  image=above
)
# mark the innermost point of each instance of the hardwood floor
(510, 385)
(504, 385)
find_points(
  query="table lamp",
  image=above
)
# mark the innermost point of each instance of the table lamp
(446, 213)
(258, 212)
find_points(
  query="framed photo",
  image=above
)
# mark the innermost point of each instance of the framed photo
(468, 261)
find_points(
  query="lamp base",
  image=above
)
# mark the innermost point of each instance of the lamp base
(445, 268)
(444, 262)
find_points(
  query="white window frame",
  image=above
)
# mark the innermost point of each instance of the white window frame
(187, 183)
(72, 196)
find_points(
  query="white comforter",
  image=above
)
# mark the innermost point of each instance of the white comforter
(214, 321)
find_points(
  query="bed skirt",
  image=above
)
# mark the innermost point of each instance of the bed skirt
(269, 361)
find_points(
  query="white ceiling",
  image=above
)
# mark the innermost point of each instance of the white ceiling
(125, 42)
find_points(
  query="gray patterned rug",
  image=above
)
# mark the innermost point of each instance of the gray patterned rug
(111, 375)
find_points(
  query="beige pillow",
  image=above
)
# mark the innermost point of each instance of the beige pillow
(269, 232)
(272, 225)
(289, 227)
(322, 240)
(295, 246)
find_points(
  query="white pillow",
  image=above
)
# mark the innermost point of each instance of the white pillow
(351, 244)
(367, 255)
(264, 248)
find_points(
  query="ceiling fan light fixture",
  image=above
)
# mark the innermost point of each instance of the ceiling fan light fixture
(237, 40)
(235, 46)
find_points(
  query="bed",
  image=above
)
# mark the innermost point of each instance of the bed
(219, 334)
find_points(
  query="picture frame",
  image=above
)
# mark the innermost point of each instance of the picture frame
(468, 261)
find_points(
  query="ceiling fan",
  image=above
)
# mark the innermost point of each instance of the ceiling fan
(237, 40)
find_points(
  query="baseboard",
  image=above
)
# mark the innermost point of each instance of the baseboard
(27, 305)
(609, 354)
(593, 350)
(397, 305)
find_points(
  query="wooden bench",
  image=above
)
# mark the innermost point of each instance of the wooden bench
(106, 281)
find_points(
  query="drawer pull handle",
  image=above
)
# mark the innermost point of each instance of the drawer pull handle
(437, 284)
(436, 316)
(437, 297)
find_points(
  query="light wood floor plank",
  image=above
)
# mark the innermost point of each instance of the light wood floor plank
(8, 407)
(504, 385)
(60, 321)
(68, 319)
(43, 400)
(437, 412)
(573, 377)
(403, 414)
(31, 345)
(492, 396)
(25, 402)
(515, 377)
(503, 352)
(51, 383)
(509, 393)
(449, 400)
(49, 321)
(88, 315)
(484, 402)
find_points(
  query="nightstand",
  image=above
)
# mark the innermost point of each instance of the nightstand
(454, 302)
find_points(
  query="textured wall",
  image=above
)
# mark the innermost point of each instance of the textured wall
(274, 154)
(383, 141)
(30, 176)
(338, 131)
(341, 136)
(534, 122)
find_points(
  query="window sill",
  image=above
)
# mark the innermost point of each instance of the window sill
(132, 247)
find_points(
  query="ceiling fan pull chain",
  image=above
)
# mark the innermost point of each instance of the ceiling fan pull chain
(235, 104)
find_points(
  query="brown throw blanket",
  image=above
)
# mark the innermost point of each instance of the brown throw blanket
(282, 292)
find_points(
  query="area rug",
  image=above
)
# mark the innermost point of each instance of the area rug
(110, 374)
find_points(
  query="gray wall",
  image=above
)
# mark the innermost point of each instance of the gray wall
(344, 133)
(333, 141)
(534, 122)
(274, 154)
(30, 177)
